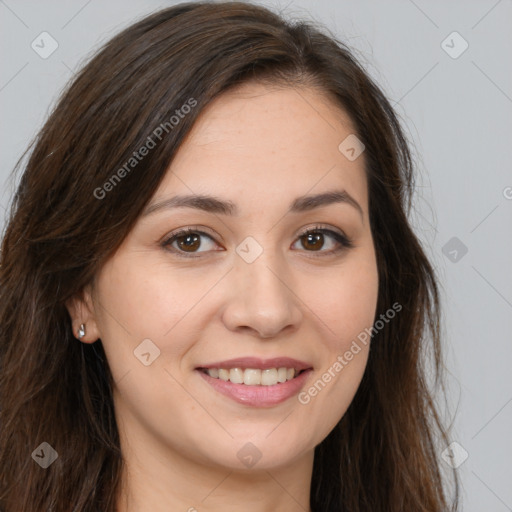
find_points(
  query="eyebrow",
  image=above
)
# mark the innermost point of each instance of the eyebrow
(216, 205)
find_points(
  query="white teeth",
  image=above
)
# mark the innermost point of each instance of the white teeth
(269, 377)
(236, 375)
(223, 374)
(253, 376)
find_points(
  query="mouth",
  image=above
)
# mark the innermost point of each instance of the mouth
(256, 382)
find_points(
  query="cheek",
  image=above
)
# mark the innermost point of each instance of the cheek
(347, 310)
(345, 300)
(330, 391)
(148, 302)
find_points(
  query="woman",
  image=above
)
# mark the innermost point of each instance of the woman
(211, 297)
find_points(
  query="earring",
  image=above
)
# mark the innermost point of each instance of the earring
(81, 331)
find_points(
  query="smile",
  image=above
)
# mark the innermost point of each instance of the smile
(256, 382)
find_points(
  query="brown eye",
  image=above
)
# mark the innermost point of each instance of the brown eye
(187, 242)
(314, 240)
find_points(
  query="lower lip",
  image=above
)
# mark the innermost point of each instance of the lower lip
(258, 396)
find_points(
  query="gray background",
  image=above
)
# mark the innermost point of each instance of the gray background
(458, 114)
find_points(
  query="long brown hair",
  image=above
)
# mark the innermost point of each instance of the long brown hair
(384, 454)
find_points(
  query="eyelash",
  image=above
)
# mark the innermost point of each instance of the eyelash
(343, 240)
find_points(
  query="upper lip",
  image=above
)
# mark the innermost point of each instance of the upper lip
(255, 362)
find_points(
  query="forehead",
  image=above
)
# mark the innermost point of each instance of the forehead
(258, 141)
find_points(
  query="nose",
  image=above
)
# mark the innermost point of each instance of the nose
(262, 299)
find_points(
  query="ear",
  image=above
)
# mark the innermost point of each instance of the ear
(81, 310)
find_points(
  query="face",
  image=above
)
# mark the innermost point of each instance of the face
(261, 288)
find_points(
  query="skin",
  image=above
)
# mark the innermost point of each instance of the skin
(260, 147)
